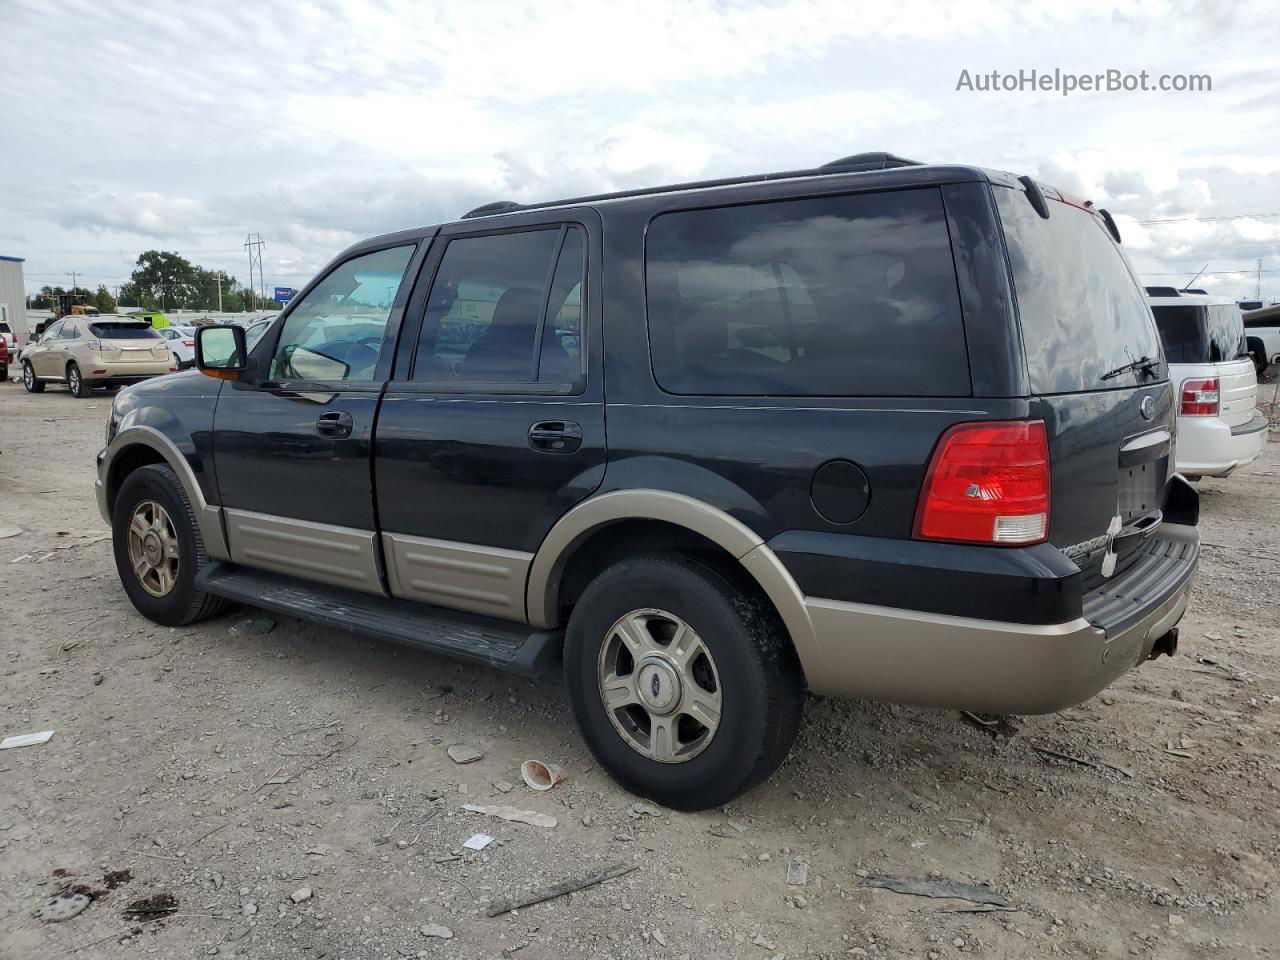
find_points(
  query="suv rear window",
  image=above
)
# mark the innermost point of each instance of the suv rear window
(1199, 333)
(123, 331)
(1083, 314)
(830, 296)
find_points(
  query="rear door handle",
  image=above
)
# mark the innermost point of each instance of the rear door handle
(555, 436)
(336, 423)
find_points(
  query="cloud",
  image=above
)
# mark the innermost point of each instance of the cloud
(188, 126)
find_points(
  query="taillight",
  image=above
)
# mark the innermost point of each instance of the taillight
(1200, 397)
(188, 343)
(987, 483)
(95, 345)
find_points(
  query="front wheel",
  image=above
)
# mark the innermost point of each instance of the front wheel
(686, 688)
(29, 379)
(158, 548)
(79, 386)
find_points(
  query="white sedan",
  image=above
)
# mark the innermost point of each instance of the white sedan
(182, 341)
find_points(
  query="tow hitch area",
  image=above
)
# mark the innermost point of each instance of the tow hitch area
(1165, 646)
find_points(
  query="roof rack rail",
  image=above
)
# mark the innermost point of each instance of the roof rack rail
(851, 164)
(489, 209)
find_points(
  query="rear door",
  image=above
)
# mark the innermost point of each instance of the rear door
(1099, 377)
(493, 425)
(44, 353)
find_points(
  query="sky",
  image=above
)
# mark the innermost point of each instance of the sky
(128, 125)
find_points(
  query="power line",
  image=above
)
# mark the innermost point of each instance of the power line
(1212, 273)
(1237, 216)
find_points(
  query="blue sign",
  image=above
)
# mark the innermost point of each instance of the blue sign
(285, 294)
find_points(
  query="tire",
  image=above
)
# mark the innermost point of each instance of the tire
(749, 657)
(182, 603)
(29, 379)
(80, 387)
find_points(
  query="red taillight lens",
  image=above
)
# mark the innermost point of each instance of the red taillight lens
(188, 343)
(1200, 398)
(987, 483)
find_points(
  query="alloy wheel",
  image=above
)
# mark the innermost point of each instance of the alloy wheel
(659, 685)
(153, 548)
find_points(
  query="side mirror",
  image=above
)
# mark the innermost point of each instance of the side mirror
(221, 351)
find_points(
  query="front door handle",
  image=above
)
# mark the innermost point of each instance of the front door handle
(336, 423)
(555, 436)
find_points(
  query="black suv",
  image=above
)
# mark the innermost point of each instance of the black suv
(875, 429)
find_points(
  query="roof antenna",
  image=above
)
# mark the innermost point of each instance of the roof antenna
(1195, 278)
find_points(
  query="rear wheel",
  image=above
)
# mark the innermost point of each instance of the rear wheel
(158, 548)
(29, 379)
(686, 688)
(79, 386)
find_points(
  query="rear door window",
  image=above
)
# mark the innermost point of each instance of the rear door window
(829, 296)
(506, 307)
(1083, 314)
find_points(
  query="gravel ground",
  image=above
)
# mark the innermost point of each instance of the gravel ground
(222, 792)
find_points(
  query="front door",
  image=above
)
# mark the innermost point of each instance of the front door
(44, 356)
(493, 424)
(292, 442)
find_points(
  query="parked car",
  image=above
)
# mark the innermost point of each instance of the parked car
(4, 360)
(1220, 428)
(90, 351)
(9, 337)
(182, 341)
(875, 429)
(1262, 330)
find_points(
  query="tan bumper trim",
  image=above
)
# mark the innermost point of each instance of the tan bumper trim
(882, 653)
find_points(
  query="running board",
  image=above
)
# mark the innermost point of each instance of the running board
(495, 643)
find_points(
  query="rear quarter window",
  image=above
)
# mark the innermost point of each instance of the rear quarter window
(829, 296)
(1083, 314)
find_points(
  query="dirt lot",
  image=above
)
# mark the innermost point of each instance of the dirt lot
(238, 772)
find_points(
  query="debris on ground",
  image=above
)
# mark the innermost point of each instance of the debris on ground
(301, 895)
(461, 753)
(253, 627)
(63, 906)
(9, 530)
(942, 889)
(797, 873)
(531, 817)
(26, 740)
(156, 907)
(646, 810)
(502, 906)
(541, 776)
(478, 841)
(502, 786)
(437, 930)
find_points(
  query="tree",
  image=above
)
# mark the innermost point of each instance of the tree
(104, 301)
(169, 281)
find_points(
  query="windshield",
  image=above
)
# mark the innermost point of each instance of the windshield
(1195, 333)
(1083, 314)
(123, 331)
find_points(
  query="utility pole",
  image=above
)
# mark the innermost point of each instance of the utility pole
(72, 275)
(1257, 290)
(218, 276)
(254, 243)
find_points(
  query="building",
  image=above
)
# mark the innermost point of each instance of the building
(13, 296)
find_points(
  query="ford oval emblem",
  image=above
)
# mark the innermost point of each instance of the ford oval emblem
(1148, 407)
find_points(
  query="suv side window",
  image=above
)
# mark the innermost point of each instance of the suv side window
(69, 332)
(336, 331)
(829, 296)
(506, 307)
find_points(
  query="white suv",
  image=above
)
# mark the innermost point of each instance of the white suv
(1219, 425)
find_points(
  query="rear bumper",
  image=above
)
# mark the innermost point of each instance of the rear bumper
(931, 659)
(117, 371)
(1207, 447)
